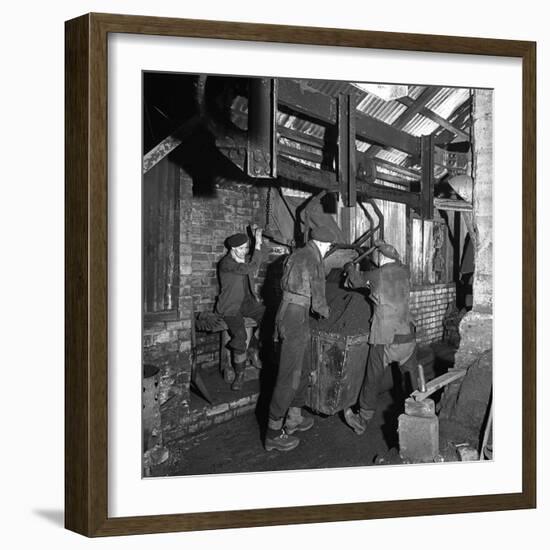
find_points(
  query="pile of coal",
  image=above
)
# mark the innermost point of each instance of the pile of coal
(350, 311)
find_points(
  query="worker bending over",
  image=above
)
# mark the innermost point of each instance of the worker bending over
(391, 338)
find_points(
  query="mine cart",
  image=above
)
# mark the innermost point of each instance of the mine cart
(338, 369)
(339, 348)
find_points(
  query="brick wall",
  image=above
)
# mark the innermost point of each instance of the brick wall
(428, 306)
(167, 343)
(206, 220)
(230, 209)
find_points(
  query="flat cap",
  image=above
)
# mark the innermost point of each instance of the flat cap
(387, 249)
(323, 234)
(235, 240)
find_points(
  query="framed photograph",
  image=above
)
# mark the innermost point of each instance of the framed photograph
(299, 275)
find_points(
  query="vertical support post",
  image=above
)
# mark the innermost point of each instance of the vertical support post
(348, 220)
(427, 181)
(408, 235)
(262, 128)
(346, 149)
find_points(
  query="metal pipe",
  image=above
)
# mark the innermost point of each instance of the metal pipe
(380, 217)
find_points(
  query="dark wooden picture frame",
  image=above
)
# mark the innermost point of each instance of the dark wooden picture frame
(86, 283)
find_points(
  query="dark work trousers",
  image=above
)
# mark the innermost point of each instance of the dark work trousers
(292, 378)
(377, 370)
(235, 323)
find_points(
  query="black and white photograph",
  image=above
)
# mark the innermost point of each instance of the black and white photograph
(316, 274)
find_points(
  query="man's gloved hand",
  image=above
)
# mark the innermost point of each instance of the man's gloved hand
(324, 312)
(258, 232)
(348, 267)
(353, 275)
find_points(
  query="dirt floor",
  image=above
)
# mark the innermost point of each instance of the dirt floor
(237, 445)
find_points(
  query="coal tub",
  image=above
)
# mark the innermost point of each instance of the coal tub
(339, 349)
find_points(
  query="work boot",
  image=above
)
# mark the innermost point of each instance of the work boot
(229, 374)
(358, 422)
(279, 440)
(297, 421)
(239, 377)
(254, 358)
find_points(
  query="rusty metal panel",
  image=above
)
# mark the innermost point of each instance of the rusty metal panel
(338, 365)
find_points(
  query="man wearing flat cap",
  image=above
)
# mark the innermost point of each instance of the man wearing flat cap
(303, 286)
(238, 298)
(391, 337)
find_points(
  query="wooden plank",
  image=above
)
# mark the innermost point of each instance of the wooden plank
(395, 231)
(168, 144)
(295, 171)
(303, 99)
(322, 179)
(374, 191)
(405, 184)
(428, 253)
(312, 156)
(453, 205)
(300, 137)
(375, 131)
(408, 235)
(437, 383)
(397, 168)
(427, 181)
(457, 120)
(416, 106)
(416, 264)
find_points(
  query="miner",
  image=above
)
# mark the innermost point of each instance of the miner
(303, 287)
(238, 299)
(392, 337)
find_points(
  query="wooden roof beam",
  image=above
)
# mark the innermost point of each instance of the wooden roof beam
(414, 107)
(456, 119)
(307, 101)
(168, 144)
(428, 113)
(321, 179)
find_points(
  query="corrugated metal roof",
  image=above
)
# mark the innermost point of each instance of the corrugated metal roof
(443, 104)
